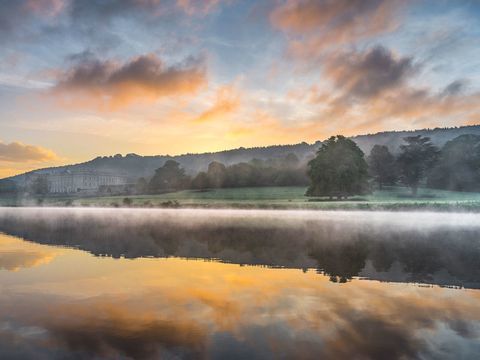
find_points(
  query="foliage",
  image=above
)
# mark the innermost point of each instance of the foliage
(286, 171)
(141, 187)
(381, 166)
(339, 169)
(216, 174)
(8, 186)
(39, 186)
(169, 177)
(458, 167)
(415, 159)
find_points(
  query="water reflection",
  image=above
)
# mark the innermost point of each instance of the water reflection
(429, 248)
(82, 306)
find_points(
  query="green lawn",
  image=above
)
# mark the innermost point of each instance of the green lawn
(393, 198)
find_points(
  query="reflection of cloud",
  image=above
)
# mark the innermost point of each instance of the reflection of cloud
(108, 332)
(195, 310)
(147, 308)
(15, 260)
(18, 152)
(16, 254)
(109, 85)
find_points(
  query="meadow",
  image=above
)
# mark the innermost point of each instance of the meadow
(391, 198)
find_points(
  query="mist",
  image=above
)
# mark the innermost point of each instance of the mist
(437, 248)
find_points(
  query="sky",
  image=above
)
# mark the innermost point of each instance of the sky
(80, 79)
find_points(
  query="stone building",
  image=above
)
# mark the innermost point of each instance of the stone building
(84, 181)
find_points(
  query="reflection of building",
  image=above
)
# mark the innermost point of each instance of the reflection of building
(70, 182)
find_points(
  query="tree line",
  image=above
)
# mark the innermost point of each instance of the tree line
(286, 171)
(340, 169)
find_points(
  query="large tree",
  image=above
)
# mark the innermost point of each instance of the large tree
(200, 181)
(417, 156)
(458, 166)
(39, 186)
(169, 177)
(339, 169)
(381, 166)
(216, 174)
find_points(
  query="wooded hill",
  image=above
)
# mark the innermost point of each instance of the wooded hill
(136, 166)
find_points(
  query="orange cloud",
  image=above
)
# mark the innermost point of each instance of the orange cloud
(107, 85)
(318, 25)
(227, 101)
(18, 152)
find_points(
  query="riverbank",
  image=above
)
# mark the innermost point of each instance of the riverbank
(389, 199)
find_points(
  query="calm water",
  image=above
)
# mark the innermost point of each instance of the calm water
(96, 283)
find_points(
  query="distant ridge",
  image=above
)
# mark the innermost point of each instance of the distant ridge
(136, 166)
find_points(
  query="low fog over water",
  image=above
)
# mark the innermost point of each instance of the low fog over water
(436, 248)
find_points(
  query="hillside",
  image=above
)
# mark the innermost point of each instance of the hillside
(135, 166)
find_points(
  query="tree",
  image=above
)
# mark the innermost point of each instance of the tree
(458, 166)
(39, 186)
(200, 181)
(339, 169)
(169, 177)
(217, 174)
(141, 187)
(291, 161)
(381, 166)
(242, 175)
(415, 159)
(8, 186)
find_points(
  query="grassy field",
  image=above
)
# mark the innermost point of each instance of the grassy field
(394, 198)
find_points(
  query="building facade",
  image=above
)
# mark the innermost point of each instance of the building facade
(72, 182)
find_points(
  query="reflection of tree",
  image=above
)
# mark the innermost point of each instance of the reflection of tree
(340, 261)
(340, 252)
(419, 259)
(382, 256)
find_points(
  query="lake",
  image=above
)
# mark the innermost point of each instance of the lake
(238, 284)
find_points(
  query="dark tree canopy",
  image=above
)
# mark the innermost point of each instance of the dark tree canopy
(458, 167)
(141, 187)
(415, 159)
(201, 181)
(339, 169)
(169, 177)
(216, 174)
(285, 171)
(381, 166)
(39, 186)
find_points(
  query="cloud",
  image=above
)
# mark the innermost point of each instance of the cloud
(106, 331)
(14, 15)
(18, 152)
(192, 7)
(368, 74)
(109, 85)
(317, 25)
(48, 8)
(455, 88)
(374, 89)
(15, 260)
(227, 101)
